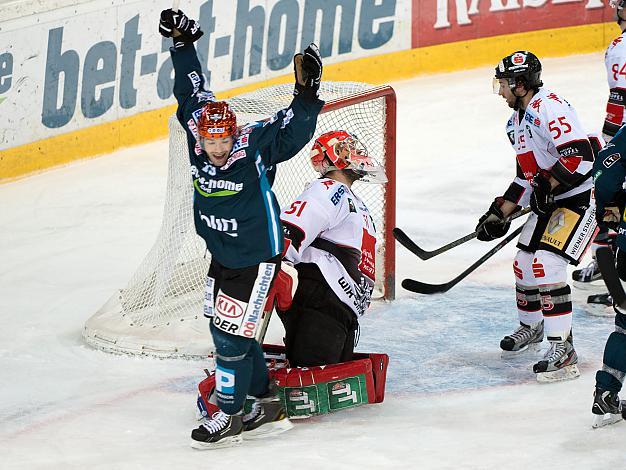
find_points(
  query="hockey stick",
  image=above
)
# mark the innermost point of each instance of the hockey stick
(410, 245)
(175, 4)
(606, 263)
(424, 288)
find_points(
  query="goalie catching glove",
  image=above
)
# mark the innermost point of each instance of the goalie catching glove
(492, 223)
(172, 21)
(307, 68)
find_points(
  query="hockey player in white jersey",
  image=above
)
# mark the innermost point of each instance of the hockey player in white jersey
(554, 162)
(331, 240)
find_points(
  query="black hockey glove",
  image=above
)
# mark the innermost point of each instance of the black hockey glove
(189, 29)
(492, 224)
(307, 68)
(541, 199)
(609, 217)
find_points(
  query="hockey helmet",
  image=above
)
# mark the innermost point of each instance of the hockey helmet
(217, 120)
(340, 150)
(519, 66)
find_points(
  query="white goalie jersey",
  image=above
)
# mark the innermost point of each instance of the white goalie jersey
(330, 226)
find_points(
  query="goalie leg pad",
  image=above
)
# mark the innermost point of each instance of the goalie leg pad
(323, 389)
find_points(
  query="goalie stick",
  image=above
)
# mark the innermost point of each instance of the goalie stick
(424, 288)
(606, 263)
(410, 245)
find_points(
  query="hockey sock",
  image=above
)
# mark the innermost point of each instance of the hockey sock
(528, 304)
(556, 301)
(611, 377)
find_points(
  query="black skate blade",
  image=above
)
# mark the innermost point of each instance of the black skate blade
(230, 441)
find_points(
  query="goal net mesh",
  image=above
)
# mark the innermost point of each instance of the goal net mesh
(159, 312)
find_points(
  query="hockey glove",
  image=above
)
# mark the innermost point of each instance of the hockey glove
(492, 224)
(541, 199)
(609, 217)
(283, 289)
(308, 71)
(176, 20)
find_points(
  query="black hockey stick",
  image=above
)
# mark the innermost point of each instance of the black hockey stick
(606, 263)
(424, 288)
(410, 245)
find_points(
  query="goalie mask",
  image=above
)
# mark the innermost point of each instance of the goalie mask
(340, 150)
(217, 120)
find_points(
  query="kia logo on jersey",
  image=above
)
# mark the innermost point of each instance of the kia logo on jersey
(228, 307)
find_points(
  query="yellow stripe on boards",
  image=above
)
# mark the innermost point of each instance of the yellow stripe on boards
(151, 125)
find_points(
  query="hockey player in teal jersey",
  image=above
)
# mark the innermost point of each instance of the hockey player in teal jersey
(609, 172)
(237, 215)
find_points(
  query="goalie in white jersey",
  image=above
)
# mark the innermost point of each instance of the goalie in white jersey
(331, 239)
(554, 162)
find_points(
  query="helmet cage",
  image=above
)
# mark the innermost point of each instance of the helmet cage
(340, 150)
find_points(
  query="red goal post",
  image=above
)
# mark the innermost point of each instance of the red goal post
(160, 311)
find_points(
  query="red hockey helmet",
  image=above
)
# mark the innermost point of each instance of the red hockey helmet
(217, 120)
(340, 150)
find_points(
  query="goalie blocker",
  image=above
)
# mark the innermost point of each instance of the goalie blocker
(310, 391)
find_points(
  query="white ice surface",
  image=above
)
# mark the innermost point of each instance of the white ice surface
(71, 236)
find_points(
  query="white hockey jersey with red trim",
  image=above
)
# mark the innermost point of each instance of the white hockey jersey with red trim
(549, 136)
(330, 226)
(615, 63)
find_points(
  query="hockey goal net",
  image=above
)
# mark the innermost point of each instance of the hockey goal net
(159, 312)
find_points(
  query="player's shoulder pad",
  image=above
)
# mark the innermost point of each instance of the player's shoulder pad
(327, 192)
(546, 104)
(617, 46)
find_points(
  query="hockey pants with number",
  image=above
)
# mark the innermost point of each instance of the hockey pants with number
(543, 293)
(240, 370)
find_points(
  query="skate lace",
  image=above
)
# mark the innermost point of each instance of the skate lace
(556, 352)
(522, 333)
(218, 421)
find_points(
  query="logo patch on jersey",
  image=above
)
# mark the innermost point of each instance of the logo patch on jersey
(228, 226)
(208, 187)
(328, 183)
(336, 198)
(536, 104)
(351, 205)
(368, 255)
(571, 163)
(608, 161)
(534, 120)
(233, 158)
(195, 80)
(242, 142)
(597, 175)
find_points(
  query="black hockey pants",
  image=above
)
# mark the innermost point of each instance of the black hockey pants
(319, 328)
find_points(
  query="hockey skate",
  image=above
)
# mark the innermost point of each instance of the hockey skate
(220, 431)
(559, 362)
(589, 277)
(607, 408)
(266, 418)
(600, 305)
(523, 338)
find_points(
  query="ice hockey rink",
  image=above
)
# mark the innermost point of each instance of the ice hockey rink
(72, 235)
